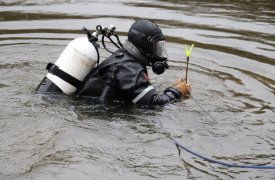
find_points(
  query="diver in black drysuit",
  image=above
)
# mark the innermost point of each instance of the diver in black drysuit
(124, 74)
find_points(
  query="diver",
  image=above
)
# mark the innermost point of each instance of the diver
(123, 75)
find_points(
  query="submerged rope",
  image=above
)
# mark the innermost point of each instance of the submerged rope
(211, 160)
(178, 145)
(195, 100)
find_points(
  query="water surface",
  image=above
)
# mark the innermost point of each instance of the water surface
(231, 71)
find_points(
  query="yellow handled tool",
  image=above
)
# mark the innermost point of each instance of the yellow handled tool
(188, 53)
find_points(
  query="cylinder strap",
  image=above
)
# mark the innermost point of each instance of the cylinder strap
(53, 69)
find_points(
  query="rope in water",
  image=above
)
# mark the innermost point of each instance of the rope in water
(211, 160)
(180, 146)
(221, 162)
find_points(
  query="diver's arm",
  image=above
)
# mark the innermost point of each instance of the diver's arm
(132, 82)
(152, 98)
(149, 95)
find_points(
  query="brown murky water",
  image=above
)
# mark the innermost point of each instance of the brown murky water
(232, 75)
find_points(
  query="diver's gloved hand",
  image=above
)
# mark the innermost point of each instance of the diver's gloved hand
(179, 89)
(184, 87)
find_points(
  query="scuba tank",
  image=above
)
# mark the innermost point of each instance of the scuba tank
(72, 66)
(75, 62)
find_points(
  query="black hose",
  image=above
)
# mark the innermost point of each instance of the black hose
(103, 43)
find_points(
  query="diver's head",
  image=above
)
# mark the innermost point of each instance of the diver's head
(149, 40)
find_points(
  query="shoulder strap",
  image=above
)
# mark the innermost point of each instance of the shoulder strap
(117, 57)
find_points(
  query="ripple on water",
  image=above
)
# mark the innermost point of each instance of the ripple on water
(232, 76)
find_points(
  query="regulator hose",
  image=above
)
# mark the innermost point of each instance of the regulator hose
(119, 45)
(92, 39)
(103, 43)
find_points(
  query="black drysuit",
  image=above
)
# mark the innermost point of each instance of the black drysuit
(122, 76)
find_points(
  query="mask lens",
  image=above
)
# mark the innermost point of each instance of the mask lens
(161, 49)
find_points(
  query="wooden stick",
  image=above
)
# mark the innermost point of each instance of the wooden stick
(186, 69)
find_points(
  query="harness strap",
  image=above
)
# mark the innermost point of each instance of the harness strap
(53, 69)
